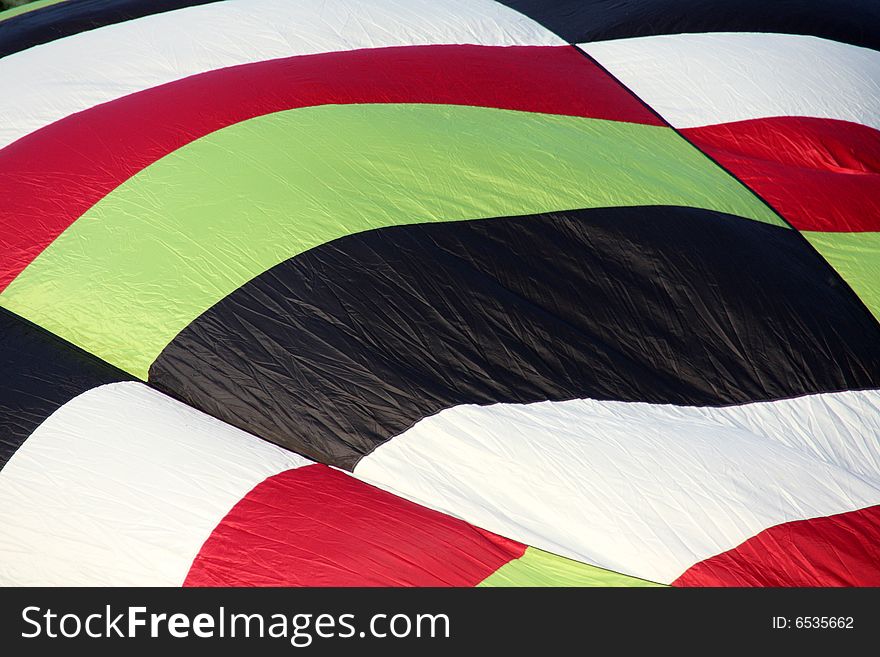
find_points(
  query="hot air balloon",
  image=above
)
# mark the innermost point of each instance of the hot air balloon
(440, 292)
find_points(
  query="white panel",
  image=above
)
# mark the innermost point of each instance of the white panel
(121, 486)
(704, 79)
(642, 489)
(54, 80)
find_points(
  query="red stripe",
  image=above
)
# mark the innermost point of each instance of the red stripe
(840, 550)
(315, 526)
(820, 174)
(52, 176)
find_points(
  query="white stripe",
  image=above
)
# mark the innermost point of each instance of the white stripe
(704, 79)
(121, 486)
(54, 80)
(646, 490)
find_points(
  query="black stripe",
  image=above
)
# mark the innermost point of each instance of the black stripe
(579, 21)
(40, 372)
(33, 28)
(341, 348)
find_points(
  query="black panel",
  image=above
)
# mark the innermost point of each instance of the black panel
(39, 373)
(341, 348)
(578, 21)
(73, 16)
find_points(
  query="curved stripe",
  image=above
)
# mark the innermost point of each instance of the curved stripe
(703, 79)
(12, 12)
(74, 16)
(539, 568)
(851, 21)
(124, 486)
(120, 487)
(46, 83)
(315, 526)
(288, 531)
(841, 550)
(139, 129)
(820, 174)
(176, 238)
(645, 490)
(856, 257)
(337, 350)
(39, 373)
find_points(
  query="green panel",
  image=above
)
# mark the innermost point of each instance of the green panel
(857, 257)
(151, 256)
(539, 568)
(38, 4)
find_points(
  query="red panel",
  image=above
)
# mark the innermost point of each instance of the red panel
(52, 176)
(820, 174)
(840, 550)
(315, 526)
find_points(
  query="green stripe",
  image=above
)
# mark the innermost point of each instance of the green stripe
(38, 4)
(182, 234)
(539, 568)
(856, 256)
